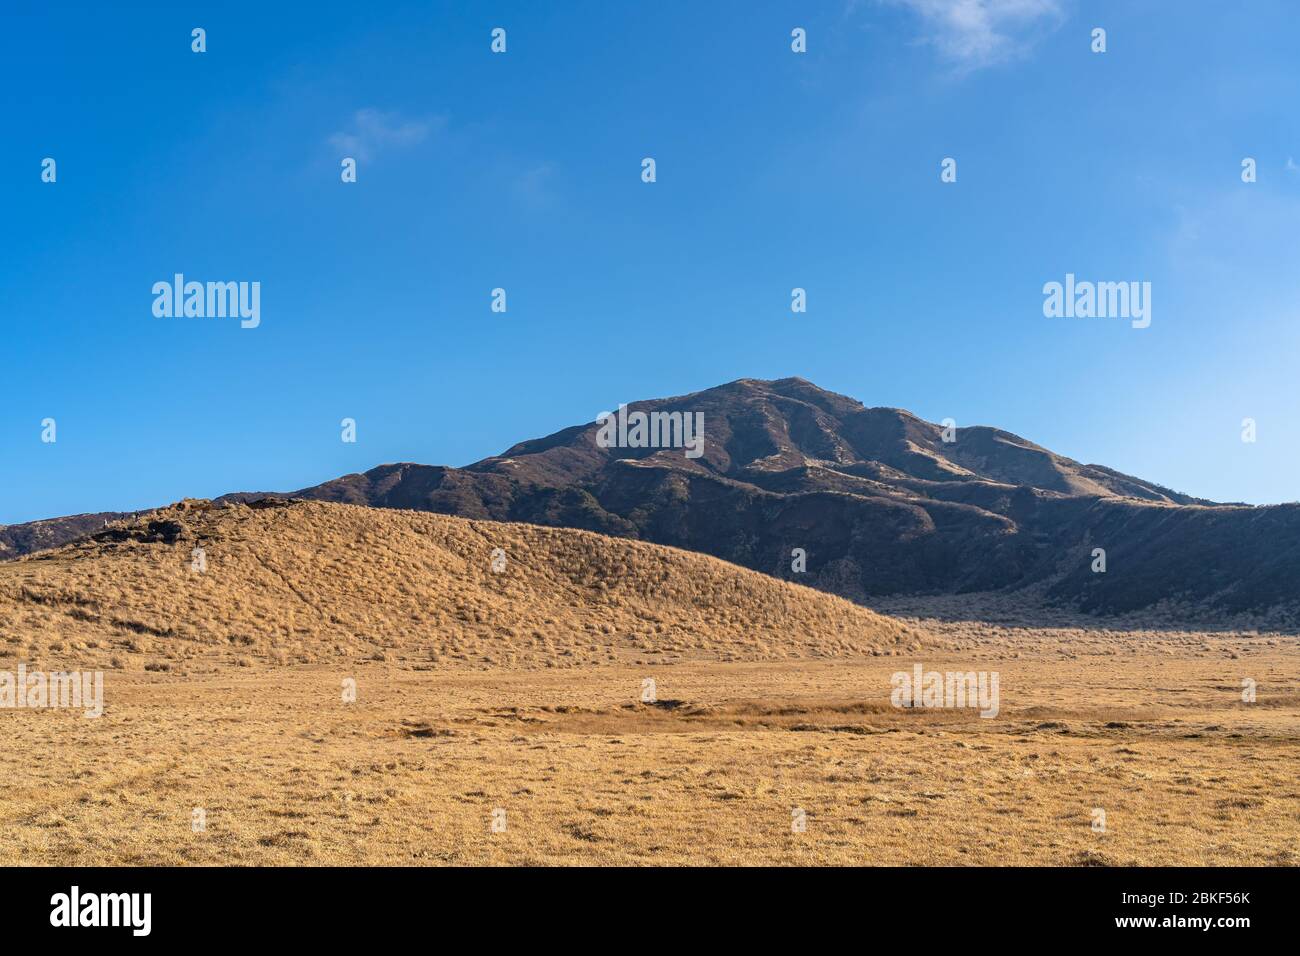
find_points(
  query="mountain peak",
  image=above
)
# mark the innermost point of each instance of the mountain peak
(879, 500)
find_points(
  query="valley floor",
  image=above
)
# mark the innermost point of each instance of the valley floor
(580, 771)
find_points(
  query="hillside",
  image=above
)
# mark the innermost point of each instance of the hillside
(20, 539)
(305, 582)
(880, 502)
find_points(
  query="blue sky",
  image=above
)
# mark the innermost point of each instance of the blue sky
(522, 171)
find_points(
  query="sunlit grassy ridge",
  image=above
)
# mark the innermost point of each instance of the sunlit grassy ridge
(305, 582)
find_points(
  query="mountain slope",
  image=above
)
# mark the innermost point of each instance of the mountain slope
(877, 499)
(308, 582)
(19, 539)
(879, 502)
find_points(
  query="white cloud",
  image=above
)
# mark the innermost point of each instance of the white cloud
(372, 132)
(977, 33)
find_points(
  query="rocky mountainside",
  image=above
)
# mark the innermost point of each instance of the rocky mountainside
(19, 539)
(879, 501)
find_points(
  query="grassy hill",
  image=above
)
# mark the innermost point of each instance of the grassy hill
(306, 582)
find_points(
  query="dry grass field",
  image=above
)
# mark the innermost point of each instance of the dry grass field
(515, 696)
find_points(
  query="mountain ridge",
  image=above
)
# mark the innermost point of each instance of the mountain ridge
(880, 501)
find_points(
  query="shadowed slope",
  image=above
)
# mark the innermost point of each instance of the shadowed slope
(880, 503)
(877, 499)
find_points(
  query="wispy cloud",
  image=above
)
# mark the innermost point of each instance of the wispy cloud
(979, 33)
(533, 186)
(372, 132)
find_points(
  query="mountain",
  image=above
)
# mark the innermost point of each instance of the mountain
(301, 582)
(878, 500)
(19, 539)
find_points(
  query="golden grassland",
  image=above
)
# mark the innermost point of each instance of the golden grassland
(311, 582)
(770, 699)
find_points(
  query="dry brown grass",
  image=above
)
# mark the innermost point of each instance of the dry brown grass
(1149, 726)
(308, 582)
(411, 772)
